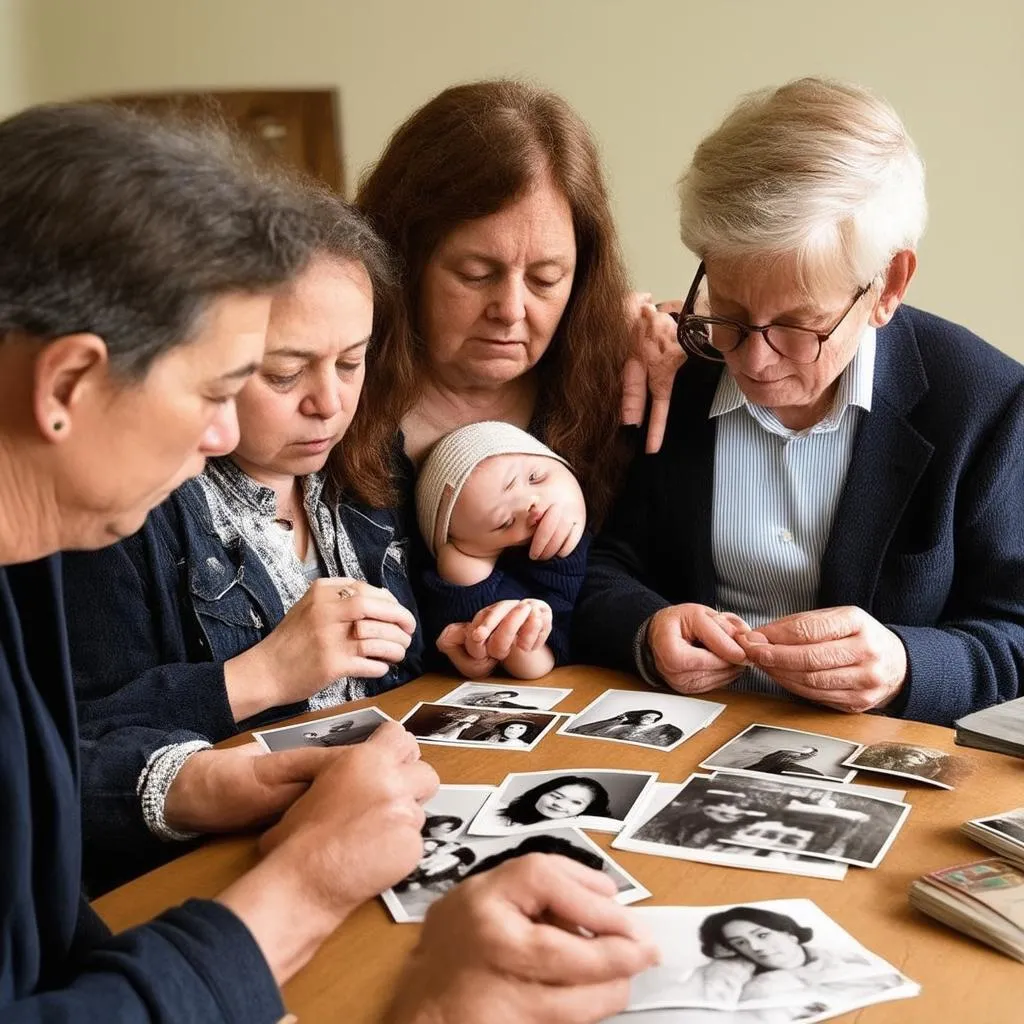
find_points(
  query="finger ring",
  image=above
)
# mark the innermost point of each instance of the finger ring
(346, 592)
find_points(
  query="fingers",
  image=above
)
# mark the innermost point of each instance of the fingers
(704, 625)
(634, 392)
(393, 739)
(572, 539)
(656, 425)
(814, 627)
(502, 640)
(361, 606)
(703, 681)
(551, 533)
(485, 622)
(452, 644)
(581, 1004)
(537, 628)
(375, 629)
(421, 780)
(816, 657)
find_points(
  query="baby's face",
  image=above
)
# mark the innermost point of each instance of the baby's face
(504, 499)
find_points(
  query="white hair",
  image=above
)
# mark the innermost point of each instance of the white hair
(818, 170)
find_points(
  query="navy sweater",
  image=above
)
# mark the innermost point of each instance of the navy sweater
(59, 961)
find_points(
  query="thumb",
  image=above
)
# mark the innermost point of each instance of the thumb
(394, 740)
(303, 764)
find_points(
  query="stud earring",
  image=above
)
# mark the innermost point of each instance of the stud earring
(58, 424)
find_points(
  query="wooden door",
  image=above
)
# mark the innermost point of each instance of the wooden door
(298, 127)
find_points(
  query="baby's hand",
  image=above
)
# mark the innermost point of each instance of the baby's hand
(557, 532)
(455, 566)
(502, 627)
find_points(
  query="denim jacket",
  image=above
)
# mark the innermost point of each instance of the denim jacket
(151, 622)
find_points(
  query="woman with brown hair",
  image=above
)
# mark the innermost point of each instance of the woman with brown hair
(516, 299)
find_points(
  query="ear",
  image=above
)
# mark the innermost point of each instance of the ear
(66, 371)
(897, 279)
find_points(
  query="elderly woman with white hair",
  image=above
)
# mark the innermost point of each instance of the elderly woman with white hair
(836, 512)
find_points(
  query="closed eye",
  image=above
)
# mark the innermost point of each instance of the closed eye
(537, 477)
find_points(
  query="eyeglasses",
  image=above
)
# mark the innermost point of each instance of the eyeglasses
(712, 337)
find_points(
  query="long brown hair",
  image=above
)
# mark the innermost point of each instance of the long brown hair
(468, 153)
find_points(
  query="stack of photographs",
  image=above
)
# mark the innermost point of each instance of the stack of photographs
(451, 854)
(793, 826)
(644, 718)
(773, 961)
(1002, 833)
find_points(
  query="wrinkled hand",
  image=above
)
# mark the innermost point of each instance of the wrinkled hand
(651, 367)
(357, 830)
(506, 947)
(694, 647)
(240, 787)
(840, 657)
(340, 627)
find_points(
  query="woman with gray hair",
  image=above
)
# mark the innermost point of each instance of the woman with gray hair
(847, 467)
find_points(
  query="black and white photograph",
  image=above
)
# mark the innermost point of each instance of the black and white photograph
(645, 718)
(593, 798)
(518, 697)
(478, 727)
(778, 815)
(1009, 824)
(785, 953)
(336, 731)
(445, 864)
(772, 750)
(450, 810)
(686, 830)
(910, 761)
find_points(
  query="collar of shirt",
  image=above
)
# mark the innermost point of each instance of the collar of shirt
(238, 486)
(855, 386)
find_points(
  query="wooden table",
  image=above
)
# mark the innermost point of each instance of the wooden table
(962, 980)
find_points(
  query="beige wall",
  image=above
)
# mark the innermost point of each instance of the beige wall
(651, 76)
(12, 49)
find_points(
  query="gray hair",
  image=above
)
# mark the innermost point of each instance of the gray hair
(818, 170)
(115, 224)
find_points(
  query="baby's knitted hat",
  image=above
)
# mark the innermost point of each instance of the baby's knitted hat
(453, 459)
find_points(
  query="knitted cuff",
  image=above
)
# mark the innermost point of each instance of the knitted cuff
(644, 658)
(155, 783)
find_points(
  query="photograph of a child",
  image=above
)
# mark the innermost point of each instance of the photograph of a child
(776, 953)
(691, 826)
(769, 749)
(450, 810)
(408, 901)
(591, 798)
(505, 520)
(910, 761)
(646, 718)
(336, 731)
(493, 695)
(784, 816)
(471, 727)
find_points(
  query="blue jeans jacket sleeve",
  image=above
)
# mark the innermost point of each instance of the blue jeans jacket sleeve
(195, 963)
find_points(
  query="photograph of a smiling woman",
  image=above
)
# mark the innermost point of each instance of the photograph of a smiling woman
(585, 797)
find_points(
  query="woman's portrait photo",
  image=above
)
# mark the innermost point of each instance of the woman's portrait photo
(446, 864)
(910, 761)
(515, 698)
(589, 798)
(476, 727)
(785, 954)
(771, 750)
(647, 719)
(335, 731)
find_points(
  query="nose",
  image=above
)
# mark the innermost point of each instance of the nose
(324, 399)
(756, 355)
(508, 300)
(222, 434)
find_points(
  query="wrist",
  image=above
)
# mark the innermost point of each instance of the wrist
(167, 797)
(250, 683)
(288, 923)
(530, 664)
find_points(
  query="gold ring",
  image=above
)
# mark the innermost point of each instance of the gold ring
(346, 592)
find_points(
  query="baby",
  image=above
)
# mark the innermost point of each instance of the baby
(505, 519)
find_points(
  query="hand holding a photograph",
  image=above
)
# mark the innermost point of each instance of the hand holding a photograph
(840, 657)
(694, 647)
(492, 950)
(340, 627)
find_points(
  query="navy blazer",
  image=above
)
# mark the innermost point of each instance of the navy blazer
(928, 536)
(58, 961)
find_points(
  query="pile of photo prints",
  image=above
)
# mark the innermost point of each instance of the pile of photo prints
(770, 799)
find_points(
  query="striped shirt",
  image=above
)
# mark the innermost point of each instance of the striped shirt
(775, 496)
